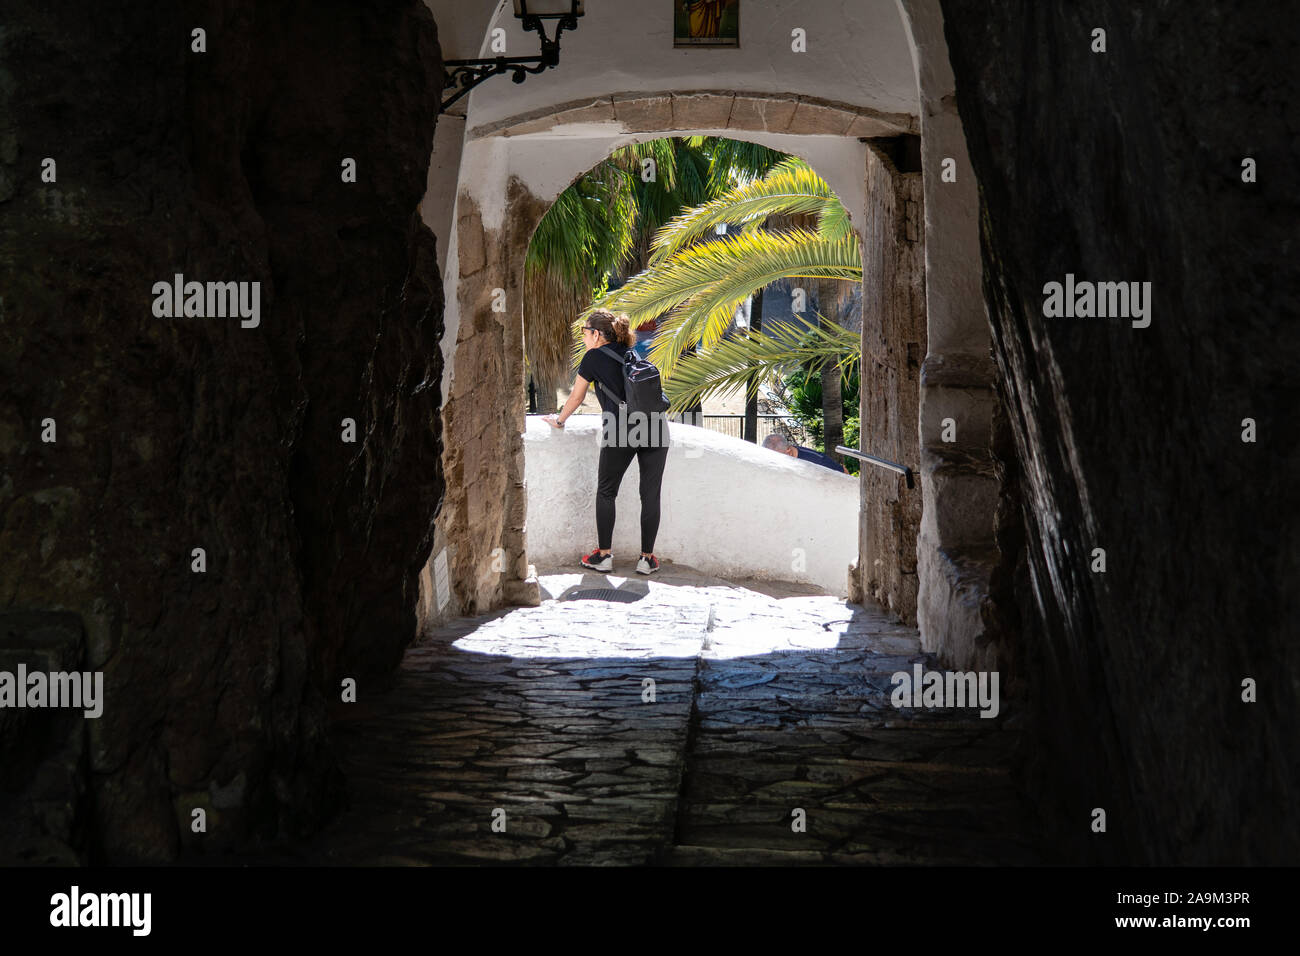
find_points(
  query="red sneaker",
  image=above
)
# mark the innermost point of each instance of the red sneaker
(603, 563)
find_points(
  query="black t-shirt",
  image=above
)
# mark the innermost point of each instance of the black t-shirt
(598, 365)
(620, 430)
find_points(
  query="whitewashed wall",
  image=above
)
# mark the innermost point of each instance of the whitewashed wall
(727, 507)
(856, 52)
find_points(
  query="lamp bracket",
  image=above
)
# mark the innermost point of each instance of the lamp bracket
(461, 76)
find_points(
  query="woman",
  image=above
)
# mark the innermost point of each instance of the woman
(619, 445)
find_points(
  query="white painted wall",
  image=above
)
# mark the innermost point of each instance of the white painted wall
(953, 289)
(857, 52)
(438, 207)
(727, 507)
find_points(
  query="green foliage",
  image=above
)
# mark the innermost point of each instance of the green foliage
(588, 231)
(735, 161)
(751, 360)
(791, 188)
(696, 279)
(802, 394)
(851, 434)
(605, 222)
(595, 227)
(697, 291)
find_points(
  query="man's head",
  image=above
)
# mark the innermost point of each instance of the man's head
(777, 442)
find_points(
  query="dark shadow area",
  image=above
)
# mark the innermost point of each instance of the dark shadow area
(542, 758)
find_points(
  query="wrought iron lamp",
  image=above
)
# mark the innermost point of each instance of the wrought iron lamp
(461, 76)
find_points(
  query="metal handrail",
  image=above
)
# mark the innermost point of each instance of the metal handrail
(891, 465)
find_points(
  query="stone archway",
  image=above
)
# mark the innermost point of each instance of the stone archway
(928, 553)
(486, 401)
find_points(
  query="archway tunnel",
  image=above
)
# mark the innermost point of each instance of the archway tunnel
(291, 536)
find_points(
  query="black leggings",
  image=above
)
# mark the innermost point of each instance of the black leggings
(613, 463)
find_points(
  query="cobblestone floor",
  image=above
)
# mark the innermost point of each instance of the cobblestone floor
(767, 699)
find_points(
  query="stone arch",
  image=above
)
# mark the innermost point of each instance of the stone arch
(670, 112)
(490, 252)
(944, 549)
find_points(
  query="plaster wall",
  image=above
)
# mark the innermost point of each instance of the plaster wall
(462, 26)
(727, 507)
(438, 207)
(856, 53)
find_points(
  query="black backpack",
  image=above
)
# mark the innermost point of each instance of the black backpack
(641, 384)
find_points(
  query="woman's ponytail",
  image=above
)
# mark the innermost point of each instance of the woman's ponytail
(623, 333)
(613, 328)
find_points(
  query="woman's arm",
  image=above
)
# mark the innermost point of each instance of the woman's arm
(576, 396)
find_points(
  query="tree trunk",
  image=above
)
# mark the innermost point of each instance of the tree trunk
(692, 414)
(832, 399)
(751, 401)
(546, 403)
(832, 410)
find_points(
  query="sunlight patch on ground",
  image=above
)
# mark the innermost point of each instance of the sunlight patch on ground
(717, 622)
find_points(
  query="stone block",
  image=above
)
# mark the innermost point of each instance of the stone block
(701, 110)
(42, 751)
(469, 238)
(644, 113)
(597, 111)
(815, 119)
(865, 126)
(770, 114)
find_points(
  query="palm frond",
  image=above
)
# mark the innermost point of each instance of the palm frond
(735, 161)
(550, 308)
(701, 286)
(749, 361)
(587, 231)
(792, 188)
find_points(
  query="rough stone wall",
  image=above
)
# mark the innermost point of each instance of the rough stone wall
(893, 345)
(1127, 166)
(961, 615)
(484, 416)
(174, 434)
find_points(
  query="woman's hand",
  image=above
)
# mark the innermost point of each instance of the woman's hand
(571, 405)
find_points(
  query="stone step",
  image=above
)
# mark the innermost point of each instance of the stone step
(687, 855)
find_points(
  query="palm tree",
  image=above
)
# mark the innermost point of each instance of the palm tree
(696, 279)
(734, 362)
(587, 233)
(601, 229)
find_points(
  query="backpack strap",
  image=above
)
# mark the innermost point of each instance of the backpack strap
(622, 360)
(609, 350)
